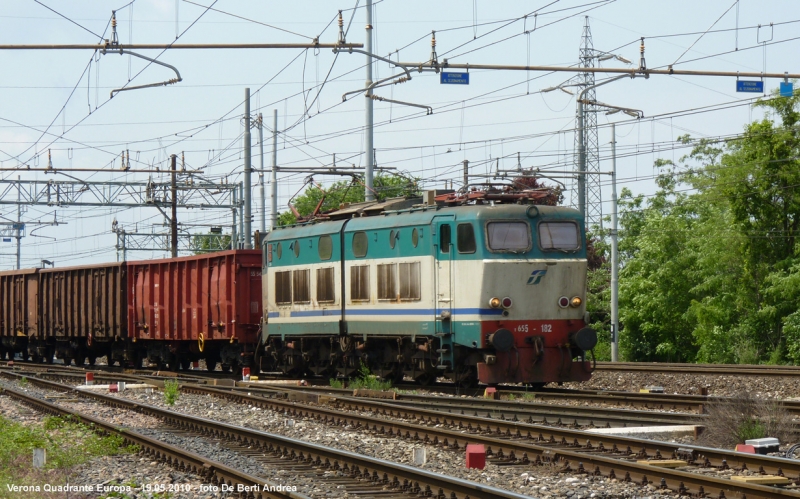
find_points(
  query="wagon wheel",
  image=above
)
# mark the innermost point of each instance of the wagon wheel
(67, 361)
(426, 379)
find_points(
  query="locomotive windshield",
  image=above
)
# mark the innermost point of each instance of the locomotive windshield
(509, 236)
(559, 236)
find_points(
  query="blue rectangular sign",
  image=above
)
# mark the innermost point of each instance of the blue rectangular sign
(6, 239)
(454, 78)
(787, 89)
(750, 86)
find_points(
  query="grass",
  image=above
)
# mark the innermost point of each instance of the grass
(733, 420)
(67, 442)
(336, 383)
(23, 382)
(367, 381)
(171, 391)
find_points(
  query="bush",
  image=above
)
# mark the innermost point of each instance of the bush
(336, 383)
(735, 419)
(368, 381)
(171, 390)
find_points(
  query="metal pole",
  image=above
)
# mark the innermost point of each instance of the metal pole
(261, 175)
(614, 254)
(581, 165)
(19, 221)
(466, 174)
(247, 232)
(369, 193)
(273, 187)
(242, 235)
(234, 235)
(174, 201)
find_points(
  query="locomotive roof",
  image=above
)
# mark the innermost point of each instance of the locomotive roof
(421, 215)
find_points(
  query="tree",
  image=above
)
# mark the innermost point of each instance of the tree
(711, 271)
(209, 243)
(343, 191)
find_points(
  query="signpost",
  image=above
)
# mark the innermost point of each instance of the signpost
(446, 78)
(756, 87)
(787, 89)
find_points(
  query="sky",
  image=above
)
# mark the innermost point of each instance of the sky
(57, 102)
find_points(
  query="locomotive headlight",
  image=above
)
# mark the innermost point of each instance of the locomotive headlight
(507, 302)
(576, 301)
(494, 302)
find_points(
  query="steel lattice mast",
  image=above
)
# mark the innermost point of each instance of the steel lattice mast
(587, 164)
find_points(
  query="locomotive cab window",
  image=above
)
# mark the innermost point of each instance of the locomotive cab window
(465, 237)
(283, 288)
(326, 288)
(360, 244)
(509, 236)
(560, 236)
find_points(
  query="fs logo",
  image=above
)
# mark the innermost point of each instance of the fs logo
(536, 276)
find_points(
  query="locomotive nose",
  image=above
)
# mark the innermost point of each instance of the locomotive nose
(585, 338)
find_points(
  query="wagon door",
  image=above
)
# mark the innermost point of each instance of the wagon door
(442, 234)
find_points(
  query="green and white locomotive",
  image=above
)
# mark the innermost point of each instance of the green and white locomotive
(490, 289)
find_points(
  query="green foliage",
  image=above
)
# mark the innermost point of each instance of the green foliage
(336, 383)
(711, 263)
(171, 391)
(366, 380)
(342, 192)
(209, 243)
(67, 443)
(23, 381)
(750, 428)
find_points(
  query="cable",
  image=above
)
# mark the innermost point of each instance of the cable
(68, 19)
(251, 20)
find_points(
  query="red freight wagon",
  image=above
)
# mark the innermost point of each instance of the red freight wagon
(204, 306)
(83, 313)
(19, 320)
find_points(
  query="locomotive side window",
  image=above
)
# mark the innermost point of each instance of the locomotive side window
(359, 282)
(414, 237)
(444, 238)
(301, 286)
(283, 287)
(387, 286)
(559, 236)
(325, 247)
(296, 248)
(509, 236)
(279, 250)
(360, 244)
(325, 286)
(392, 238)
(465, 237)
(409, 281)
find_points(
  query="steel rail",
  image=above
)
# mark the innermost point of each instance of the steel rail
(725, 369)
(213, 471)
(393, 475)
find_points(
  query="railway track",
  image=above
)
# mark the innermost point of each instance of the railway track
(358, 474)
(714, 369)
(575, 416)
(517, 443)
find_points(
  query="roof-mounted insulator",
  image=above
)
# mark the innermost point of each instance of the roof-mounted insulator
(341, 28)
(114, 38)
(434, 57)
(49, 160)
(642, 64)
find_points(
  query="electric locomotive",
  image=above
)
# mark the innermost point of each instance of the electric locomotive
(482, 287)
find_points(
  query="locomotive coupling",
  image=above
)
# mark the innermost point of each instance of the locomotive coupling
(584, 339)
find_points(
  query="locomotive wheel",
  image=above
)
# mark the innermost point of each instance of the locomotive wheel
(36, 358)
(225, 368)
(426, 379)
(93, 359)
